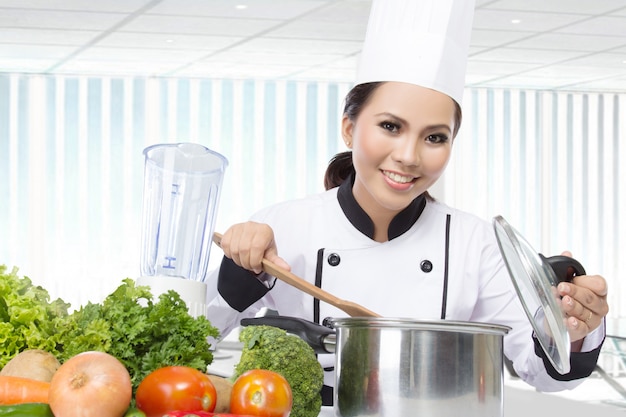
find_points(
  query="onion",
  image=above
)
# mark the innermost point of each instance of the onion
(90, 384)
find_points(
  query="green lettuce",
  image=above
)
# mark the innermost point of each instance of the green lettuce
(28, 319)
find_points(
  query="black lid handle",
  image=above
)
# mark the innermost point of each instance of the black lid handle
(564, 267)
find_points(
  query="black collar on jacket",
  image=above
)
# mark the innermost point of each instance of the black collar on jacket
(363, 223)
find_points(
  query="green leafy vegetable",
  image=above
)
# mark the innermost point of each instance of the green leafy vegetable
(267, 347)
(142, 334)
(28, 319)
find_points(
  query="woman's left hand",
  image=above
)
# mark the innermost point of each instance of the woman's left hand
(584, 303)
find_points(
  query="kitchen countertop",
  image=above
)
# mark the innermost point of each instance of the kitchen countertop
(520, 402)
(326, 412)
(523, 403)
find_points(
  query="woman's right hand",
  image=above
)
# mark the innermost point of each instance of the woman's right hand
(248, 243)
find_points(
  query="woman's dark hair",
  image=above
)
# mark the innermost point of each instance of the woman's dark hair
(340, 166)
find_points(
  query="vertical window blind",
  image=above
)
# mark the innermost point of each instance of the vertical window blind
(71, 166)
(549, 162)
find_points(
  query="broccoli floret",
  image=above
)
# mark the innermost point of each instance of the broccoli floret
(271, 348)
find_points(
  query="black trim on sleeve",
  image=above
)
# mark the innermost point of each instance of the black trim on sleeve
(582, 364)
(238, 286)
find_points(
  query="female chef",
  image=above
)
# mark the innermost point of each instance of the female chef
(376, 237)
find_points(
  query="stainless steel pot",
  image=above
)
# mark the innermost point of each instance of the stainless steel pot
(395, 367)
(399, 367)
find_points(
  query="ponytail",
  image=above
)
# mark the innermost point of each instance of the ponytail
(339, 168)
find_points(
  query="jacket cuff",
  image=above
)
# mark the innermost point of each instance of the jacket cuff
(239, 287)
(582, 364)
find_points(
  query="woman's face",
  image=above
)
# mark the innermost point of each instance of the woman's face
(401, 143)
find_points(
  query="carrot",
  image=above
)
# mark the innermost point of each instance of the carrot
(17, 390)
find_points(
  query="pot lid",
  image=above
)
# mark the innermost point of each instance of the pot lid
(535, 279)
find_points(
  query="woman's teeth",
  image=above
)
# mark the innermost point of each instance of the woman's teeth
(398, 178)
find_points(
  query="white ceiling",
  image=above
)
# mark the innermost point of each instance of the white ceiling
(545, 44)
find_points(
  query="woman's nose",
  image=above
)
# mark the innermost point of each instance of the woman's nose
(406, 151)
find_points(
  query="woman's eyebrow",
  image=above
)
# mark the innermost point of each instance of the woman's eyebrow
(392, 116)
(439, 126)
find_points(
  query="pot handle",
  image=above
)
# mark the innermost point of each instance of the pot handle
(564, 267)
(320, 338)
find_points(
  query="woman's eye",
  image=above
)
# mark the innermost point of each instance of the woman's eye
(392, 127)
(437, 138)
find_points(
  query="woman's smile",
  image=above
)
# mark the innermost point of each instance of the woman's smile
(400, 182)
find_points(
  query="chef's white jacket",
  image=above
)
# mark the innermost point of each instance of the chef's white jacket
(438, 263)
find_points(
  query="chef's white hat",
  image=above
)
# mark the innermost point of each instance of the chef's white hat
(423, 42)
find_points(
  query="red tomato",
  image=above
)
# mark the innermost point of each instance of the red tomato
(262, 393)
(175, 388)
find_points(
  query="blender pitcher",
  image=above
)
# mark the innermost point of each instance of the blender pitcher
(182, 183)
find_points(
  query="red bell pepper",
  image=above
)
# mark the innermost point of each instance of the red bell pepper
(200, 414)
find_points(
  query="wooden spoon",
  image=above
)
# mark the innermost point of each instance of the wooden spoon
(349, 307)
